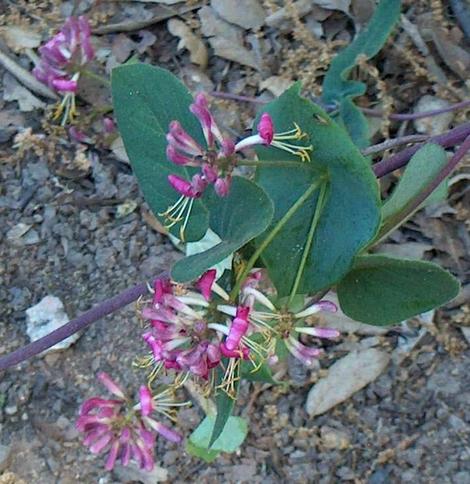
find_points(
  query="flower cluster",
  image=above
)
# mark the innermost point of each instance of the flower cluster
(186, 329)
(61, 59)
(216, 161)
(192, 331)
(125, 431)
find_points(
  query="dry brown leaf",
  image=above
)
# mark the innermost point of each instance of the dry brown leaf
(196, 47)
(456, 58)
(14, 91)
(226, 39)
(248, 14)
(276, 84)
(18, 38)
(345, 377)
(342, 5)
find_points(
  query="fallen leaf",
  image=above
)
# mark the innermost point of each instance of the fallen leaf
(276, 85)
(18, 38)
(407, 250)
(14, 91)
(456, 58)
(125, 208)
(226, 39)
(117, 147)
(248, 14)
(342, 5)
(196, 47)
(302, 7)
(345, 377)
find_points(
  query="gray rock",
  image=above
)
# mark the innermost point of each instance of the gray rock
(45, 317)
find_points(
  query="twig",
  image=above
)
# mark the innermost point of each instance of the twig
(75, 325)
(424, 114)
(236, 97)
(451, 138)
(132, 25)
(370, 112)
(25, 77)
(392, 143)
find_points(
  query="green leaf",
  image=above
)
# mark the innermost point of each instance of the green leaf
(259, 373)
(236, 219)
(146, 99)
(224, 403)
(421, 170)
(229, 440)
(350, 215)
(338, 89)
(382, 290)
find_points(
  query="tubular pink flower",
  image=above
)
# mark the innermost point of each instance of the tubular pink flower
(146, 402)
(182, 141)
(243, 352)
(210, 129)
(323, 305)
(205, 282)
(303, 353)
(184, 187)
(238, 328)
(121, 429)
(222, 186)
(327, 333)
(64, 85)
(266, 128)
(109, 383)
(177, 158)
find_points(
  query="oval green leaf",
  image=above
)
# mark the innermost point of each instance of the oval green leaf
(146, 99)
(350, 215)
(383, 290)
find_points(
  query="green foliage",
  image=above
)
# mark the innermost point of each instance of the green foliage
(383, 290)
(421, 170)
(146, 99)
(236, 219)
(224, 404)
(338, 89)
(229, 440)
(350, 215)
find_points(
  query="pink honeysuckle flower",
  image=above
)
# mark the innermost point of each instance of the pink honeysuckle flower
(61, 61)
(217, 160)
(267, 136)
(263, 317)
(238, 328)
(125, 431)
(180, 337)
(205, 282)
(303, 353)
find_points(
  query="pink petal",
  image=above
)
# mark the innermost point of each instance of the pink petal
(266, 128)
(107, 381)
(113, 453)
(146, 402)
(204, 284)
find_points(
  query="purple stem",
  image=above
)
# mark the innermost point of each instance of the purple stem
(423, 114)
(451, 138)
(77, 324)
